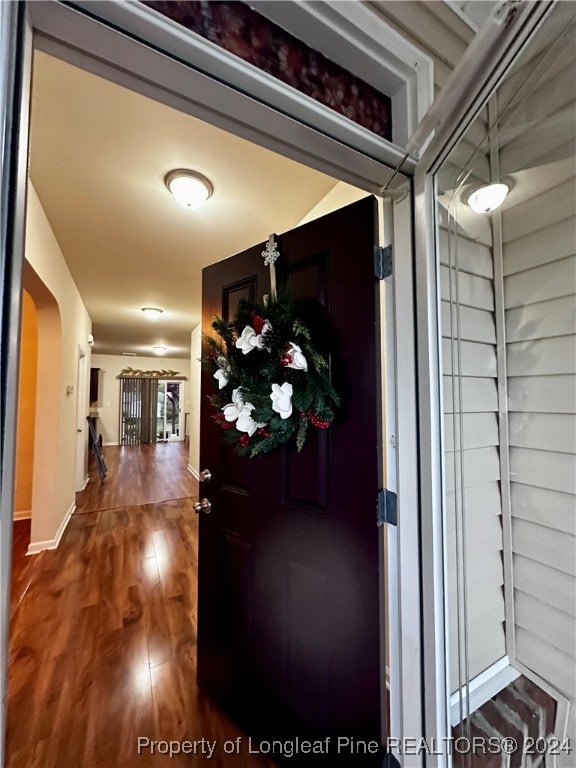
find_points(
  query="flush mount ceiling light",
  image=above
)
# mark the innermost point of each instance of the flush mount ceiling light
(159, 350)
(488, 198)
(189, 189)
(152, 313)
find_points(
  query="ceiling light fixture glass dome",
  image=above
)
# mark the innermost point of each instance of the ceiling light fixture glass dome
(189, 189)
(488, 198)
(152, 313)
(159, 350)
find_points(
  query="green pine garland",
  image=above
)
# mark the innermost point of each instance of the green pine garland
(272, 382)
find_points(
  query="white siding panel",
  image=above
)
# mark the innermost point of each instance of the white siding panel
(533, 250)
(563, 57)
(544, 431)
(481, 465)
(480, 501)
(550, 281)
(412, 20)
(542, 394)
(471, 291)
(544, 469)
(477, 359)
(536, 181)
(467, 226)
(544, 507)
(539, 211)
(479, 430)
(484, 603)
(542, 357)
(483, 529)
(478, 395)
(481, 654)
(552, 548)
(473, 257)
(533, 149)
(540, 321)
(547, 584)
(537, 617)
(475, 324)
(555, 667)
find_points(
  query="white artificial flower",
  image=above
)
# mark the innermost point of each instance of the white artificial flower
(241, 413)
(281, 397)
(233, 409)
(250, 340)
(297, 359)
(245, 421)
(221, 377)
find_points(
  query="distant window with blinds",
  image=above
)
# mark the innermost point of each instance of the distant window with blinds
(138, 405)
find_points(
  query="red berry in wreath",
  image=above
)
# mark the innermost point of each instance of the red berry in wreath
(257, 322)
(244, 441)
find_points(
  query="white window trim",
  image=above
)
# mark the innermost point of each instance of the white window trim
(356, 37)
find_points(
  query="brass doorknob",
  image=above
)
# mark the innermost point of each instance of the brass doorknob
(203, 506)
(205, 476)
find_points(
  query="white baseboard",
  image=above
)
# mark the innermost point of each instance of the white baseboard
(111, 443)
(38, 546)
(193, 472)
(86, 481)
(23, 515)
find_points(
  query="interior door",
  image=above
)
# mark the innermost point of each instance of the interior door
(289, 573)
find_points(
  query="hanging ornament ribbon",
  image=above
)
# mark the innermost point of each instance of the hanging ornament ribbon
(270, 254)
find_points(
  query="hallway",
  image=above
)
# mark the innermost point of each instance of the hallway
(103, 630)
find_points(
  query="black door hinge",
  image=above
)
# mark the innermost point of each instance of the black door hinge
(382, 261)
(386, 507)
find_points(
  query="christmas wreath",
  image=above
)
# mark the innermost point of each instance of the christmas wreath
(272, 382)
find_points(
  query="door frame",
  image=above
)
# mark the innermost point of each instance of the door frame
(345, 152)
(81, 414)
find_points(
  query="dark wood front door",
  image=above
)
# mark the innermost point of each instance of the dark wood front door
(289, 571)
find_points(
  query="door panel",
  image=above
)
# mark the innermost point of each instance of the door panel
(289, 562)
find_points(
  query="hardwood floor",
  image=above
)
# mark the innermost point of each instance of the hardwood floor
(138, 474)
(103, 636)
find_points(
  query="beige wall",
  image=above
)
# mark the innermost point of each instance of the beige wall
(340, 195)
(109, 387)
(26, 408)
(63, 327)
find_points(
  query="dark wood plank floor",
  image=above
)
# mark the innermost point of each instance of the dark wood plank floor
(103, 641)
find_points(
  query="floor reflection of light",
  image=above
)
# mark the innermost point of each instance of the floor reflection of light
(162, 552)
(150, 569)
(140, 679)
(163, 559)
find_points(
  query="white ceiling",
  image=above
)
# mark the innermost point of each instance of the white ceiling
(99, 155)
